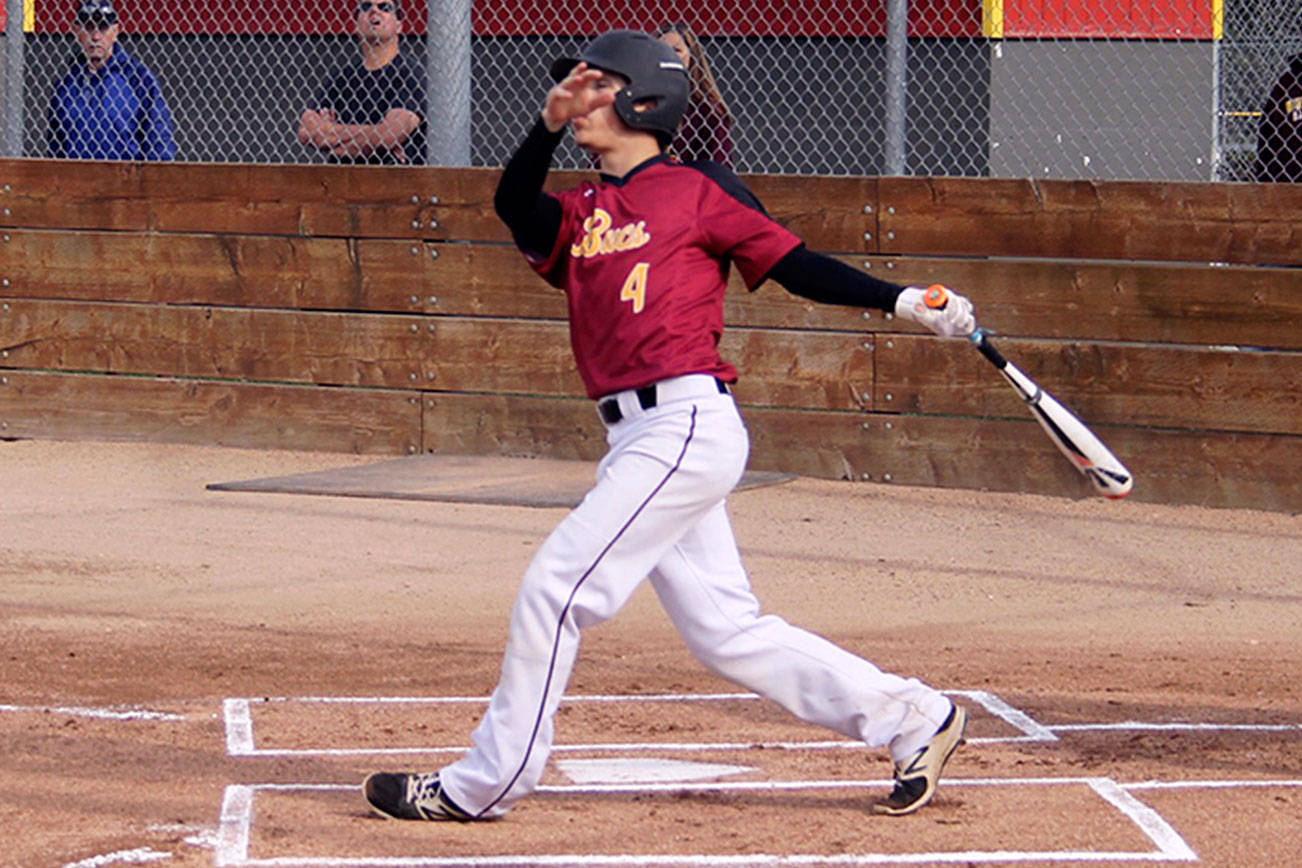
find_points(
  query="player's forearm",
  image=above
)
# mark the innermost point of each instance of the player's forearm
(821, 278)
(533, 217)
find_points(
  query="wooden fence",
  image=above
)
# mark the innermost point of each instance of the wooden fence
(384, 311)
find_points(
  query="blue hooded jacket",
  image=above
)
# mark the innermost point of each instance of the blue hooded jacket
(117, 113)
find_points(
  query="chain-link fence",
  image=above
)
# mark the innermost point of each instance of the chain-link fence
(1259, 92)
(1169, 89)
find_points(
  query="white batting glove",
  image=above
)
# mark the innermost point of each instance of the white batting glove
(937, 307)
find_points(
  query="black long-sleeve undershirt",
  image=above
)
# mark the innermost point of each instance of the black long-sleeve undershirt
(819, 277)
(534, 219)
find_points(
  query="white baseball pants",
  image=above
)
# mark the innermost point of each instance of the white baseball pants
(657, 511)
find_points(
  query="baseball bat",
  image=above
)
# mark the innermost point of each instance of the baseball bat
(1073, 437)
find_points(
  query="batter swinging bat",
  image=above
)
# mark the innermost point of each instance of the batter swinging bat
(1085, 451)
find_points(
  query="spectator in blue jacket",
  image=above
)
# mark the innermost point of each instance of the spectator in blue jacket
(109, 106)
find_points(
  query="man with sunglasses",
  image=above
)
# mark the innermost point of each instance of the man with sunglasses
(372, 110)
(109, 106)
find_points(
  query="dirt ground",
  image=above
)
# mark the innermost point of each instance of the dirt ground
(1133, 673)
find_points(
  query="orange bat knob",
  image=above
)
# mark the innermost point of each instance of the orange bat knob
(936, 296)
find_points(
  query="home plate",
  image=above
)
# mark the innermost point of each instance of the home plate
(628, 771)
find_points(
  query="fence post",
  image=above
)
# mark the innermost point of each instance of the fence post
(897, 73)
(14, 61)
(447, 74)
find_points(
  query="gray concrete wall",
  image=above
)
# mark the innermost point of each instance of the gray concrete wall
(1101, 109)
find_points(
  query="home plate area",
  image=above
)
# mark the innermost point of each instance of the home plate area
(690, 779)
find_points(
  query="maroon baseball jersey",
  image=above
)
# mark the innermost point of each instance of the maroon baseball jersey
(644, 263)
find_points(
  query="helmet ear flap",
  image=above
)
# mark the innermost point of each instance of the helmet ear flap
(668, 90)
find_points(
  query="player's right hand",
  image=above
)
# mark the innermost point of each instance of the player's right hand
(574, 97)
(937, 307)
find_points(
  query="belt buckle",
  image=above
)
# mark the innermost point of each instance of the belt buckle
(609, 411)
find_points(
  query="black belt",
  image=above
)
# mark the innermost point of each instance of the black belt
(646, 397)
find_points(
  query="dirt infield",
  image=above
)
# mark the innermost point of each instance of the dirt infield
(1133, 673)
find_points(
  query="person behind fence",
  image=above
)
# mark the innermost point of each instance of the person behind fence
(1279, 133)
(706, 130)
(372, 109)
(109, 106)
(643, 256)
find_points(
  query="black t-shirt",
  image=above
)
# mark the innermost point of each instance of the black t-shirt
(358, 95)
(1279, 136)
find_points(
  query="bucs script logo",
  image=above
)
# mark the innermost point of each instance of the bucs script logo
(599, 238)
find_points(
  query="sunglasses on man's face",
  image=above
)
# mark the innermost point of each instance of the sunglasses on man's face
(101, 25)
(363, 8)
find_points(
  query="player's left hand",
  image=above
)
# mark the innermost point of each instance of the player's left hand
(937, 307)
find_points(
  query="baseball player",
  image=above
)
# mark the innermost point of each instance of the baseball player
(643, 256)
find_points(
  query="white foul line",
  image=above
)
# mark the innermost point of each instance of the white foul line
(135, 856)
(1012, 716)
(102, 713)
(1131, 725)
(240, 740)
(578, 697)
(237, 814)
(838, 784)
(1157, 829)
(704, 861)
(1210, 785)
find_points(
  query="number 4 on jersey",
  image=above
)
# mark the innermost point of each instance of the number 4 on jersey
(634, 289)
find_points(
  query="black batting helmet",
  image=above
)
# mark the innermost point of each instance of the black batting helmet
(653, 72)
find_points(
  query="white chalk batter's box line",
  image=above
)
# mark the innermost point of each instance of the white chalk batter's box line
(237, 825)
(240, 741)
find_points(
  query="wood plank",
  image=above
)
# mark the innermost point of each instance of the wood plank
(257, 271)
(831, 214)
(494, 280)
(778, 368)
(782, 368)
(828, 212)
(1253, 471)
(240, 270)
(228, 197)
(1211, 469)
(513, 425)
(72, 194)
(1260, 307)
(256, 416)
(479, 279)
(354, 201)
(218, 343)
(816, 370)
(1159, 386)
(1247, 223)
(1206, 468)
(1241, 305)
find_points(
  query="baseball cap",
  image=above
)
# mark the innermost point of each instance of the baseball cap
(97, 11)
